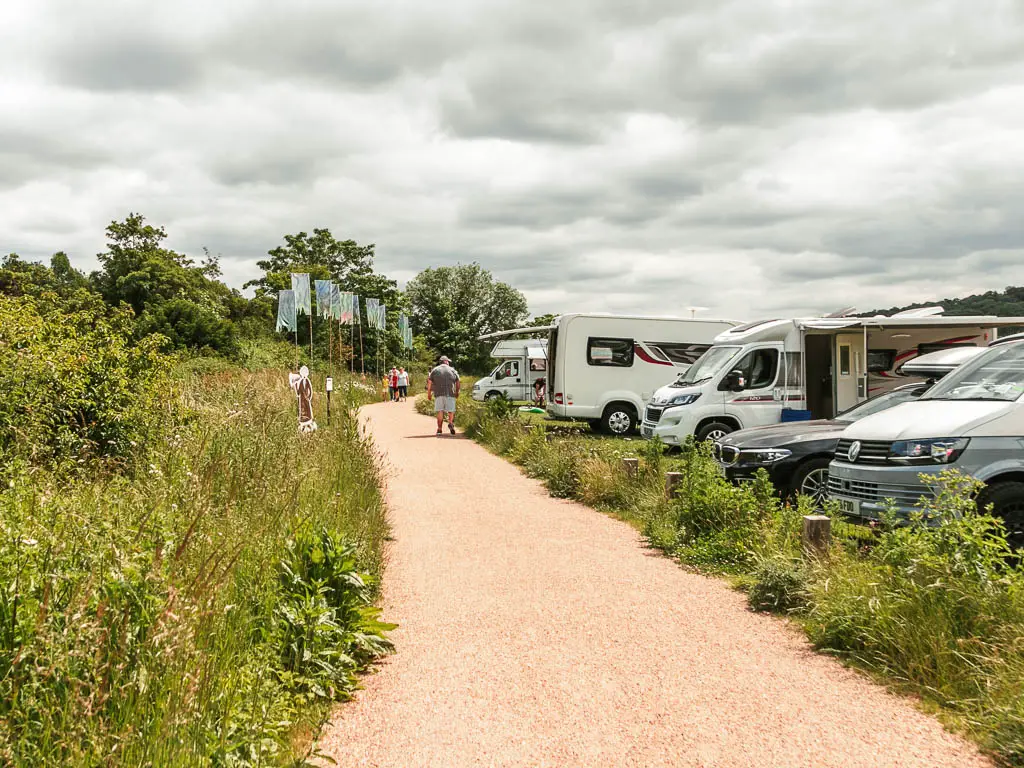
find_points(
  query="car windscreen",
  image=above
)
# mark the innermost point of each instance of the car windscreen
(998, 374)
(881, 403)
(708, 365)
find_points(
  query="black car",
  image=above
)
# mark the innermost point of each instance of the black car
(796, 455)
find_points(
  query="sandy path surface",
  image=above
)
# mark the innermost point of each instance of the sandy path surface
(538, 632)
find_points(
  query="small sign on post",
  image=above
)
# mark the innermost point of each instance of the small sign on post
(632, 466)
(330, 388)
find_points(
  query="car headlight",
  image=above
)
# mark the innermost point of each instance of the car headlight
(682, 399)
(938, 450)
(764, 456)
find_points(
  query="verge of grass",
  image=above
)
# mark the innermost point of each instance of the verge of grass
(203, 608)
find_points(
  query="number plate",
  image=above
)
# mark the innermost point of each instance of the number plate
(646, 431)
(849, 507)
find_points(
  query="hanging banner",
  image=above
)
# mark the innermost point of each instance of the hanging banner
(335, 302)
(286, 311)
(355, 309)
(381, 314)
(371, 312)
(346, 308)
(300, 287)
(323, 297)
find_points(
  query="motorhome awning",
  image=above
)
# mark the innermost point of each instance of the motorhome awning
(514, 331)
(537, 353)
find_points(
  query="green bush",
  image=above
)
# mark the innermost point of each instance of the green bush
(77, 386)
(777, 583)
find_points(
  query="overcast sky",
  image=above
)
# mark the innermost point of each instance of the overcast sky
(754, 158)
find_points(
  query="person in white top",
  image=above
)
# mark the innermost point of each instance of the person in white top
(403, 384)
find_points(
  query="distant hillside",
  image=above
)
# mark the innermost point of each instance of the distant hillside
(1001, 303)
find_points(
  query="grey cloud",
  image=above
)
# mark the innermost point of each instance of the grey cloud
(138, 63)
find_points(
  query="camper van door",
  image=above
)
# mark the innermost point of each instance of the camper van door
(849, 370)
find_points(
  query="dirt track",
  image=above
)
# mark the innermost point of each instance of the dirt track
(537, 632)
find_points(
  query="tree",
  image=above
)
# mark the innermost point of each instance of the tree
(323, 257)
(453, 306)
(169, 294)
(541, 321)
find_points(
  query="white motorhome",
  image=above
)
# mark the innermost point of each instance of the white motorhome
(774, 370)
(523, 361)
(602, 368)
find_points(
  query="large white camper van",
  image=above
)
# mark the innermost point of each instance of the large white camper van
(523, 361)
(603, 368)
(773, 370)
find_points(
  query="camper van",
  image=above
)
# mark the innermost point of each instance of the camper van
(805, 368)
(523, 362)
(971, 421)
(602, 368)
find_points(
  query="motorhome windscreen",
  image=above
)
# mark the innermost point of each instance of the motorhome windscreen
(997, 374)
(709, 364)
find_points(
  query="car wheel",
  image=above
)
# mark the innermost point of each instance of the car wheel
(716, 430)
(811, 479)
(492, 395)
(618, 420)
(1007, 502)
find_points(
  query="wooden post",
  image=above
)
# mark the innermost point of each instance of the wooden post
(632, 466)
(673, 484)
(527, 429)
(817, 535)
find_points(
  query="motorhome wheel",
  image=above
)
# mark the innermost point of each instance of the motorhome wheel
(492, 395)
(1007, 502)
(618, 419)
(811, 479)
(716, 430)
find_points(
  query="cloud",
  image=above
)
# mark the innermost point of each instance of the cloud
(756, 159)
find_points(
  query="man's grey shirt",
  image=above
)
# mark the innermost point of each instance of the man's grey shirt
(443, 379)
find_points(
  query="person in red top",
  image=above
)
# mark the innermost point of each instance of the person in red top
(393, 384)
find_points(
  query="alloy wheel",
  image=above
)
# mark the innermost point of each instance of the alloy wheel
(815, 485)
(619, 422)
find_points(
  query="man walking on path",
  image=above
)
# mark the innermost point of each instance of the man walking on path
(443, 386)
(393, 384)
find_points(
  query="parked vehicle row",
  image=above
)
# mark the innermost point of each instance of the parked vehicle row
(796, 455)
(850, 403)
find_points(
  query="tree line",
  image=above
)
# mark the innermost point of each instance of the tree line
(183, 302)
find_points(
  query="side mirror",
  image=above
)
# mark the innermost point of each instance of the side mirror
(734, 381)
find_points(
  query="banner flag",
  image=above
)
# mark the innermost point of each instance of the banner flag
(381, 315)
(323, 297)
(355, 309)
(371, 312)
(335, 302)
(286, 311)
(300, 287)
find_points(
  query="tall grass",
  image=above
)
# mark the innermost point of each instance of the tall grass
(203, 609)
(937, 610)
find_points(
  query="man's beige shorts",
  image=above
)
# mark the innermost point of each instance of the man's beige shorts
(444, 404)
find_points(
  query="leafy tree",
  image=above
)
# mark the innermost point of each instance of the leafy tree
(541, 321)
(350, 265)
(169, 294)
(453, 306)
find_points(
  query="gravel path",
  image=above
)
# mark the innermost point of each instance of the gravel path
(538, 632)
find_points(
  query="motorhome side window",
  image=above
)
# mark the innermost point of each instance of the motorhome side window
(610, 352)
(759, 368)
(881, 360)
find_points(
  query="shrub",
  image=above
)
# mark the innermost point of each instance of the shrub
(76, 384)
(777, 583)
